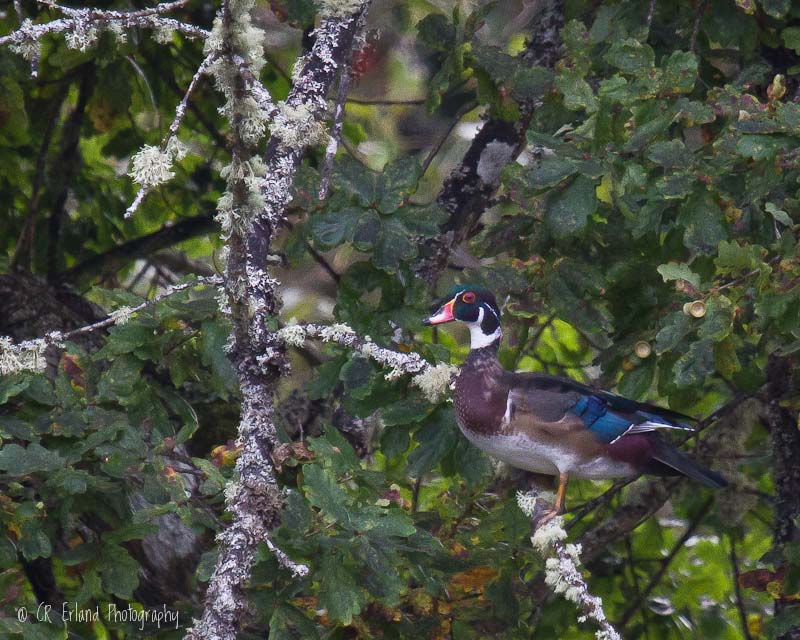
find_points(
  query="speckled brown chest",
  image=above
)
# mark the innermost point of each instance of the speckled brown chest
(481, 393)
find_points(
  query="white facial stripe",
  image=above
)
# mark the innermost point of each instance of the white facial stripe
(477, 338)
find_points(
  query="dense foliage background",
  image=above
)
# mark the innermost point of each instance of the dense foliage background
(645, 240)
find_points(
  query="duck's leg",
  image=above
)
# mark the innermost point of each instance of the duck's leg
(558, 507)
(561, 495)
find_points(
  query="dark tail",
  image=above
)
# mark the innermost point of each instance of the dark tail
(678, 463)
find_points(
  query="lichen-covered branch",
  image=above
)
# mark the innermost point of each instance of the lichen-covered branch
(251, 212)
(433, 380)
(29, 354)
(562, 574)
(151, 166)
(83, 26)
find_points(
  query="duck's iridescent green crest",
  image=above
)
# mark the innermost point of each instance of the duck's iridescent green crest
(474, 305)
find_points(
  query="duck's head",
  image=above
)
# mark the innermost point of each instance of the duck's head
(474, 306)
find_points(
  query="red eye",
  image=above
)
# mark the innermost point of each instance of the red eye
(468, 297)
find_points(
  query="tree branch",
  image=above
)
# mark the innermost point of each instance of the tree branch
(254, 500)
(120, 256)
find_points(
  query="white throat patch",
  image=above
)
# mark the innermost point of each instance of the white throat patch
(477, 338)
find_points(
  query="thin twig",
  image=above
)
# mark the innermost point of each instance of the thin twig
(696, 28)
(738, 591)
(655, 579)
(336, 131)
(322, 262)
(180, 112)
(650, 12)
(464, 110)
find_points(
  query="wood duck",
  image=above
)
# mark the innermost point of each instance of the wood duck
(553, 425)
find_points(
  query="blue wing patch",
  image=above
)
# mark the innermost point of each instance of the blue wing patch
(606, 425)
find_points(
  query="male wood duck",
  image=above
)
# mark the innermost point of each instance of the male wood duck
(553, 425)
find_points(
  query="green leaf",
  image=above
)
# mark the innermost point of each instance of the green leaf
(367, 229)
(17, 461)
(133, 531)
(695, 367)
(680, 73)
(12, 385)
(568, 211)
(423, 220)
(631, 56)
(324, 492)
(670, 155)
(785, 622)
(394, 442)
(776, 8)
(733, 257)
(703, 222)
(354, 179)
(436, 438)
(577, 92)
(674, 328)
(679, 271)
(356, 375)
(778, 214)
(406, 411)
(335, 228)
(762, 147)
(214, 354)
(338, 592)
(289, 623)
(718, 320)
(636, 383)
(71, 481)
(791, 38)
(551, 171)
(437, 32)
(394, 246)
(397, 182)
(119, 571)
(13, 117)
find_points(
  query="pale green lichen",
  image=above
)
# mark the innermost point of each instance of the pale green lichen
(82, 37)
(435, 381)
(152, 166)
(293, 334)
(26, 356)
(121, 315)
(163, 34)
(296, 126)
(338, 8)
(30, 49)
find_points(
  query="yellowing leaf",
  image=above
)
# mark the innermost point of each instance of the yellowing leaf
(603, 190)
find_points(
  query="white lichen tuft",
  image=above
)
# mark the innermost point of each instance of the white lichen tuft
(293, 334)
(296, 126)
(152, 166)
(435, 382)
(336, 332)
(121, 316)
(83, 37)
(118, 31)
(550, 532)
(26, 356)
(338, 8)
(163, 34)
(30, 49)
